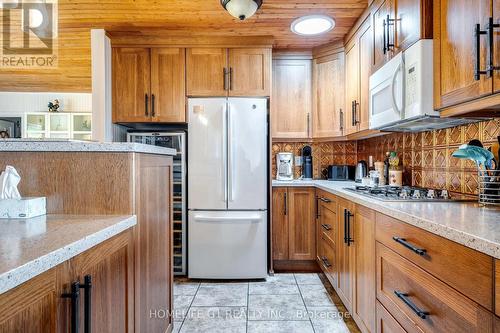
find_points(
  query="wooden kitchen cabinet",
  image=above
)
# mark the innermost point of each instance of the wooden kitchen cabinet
(168, 90)
(358, 70)
(206, 72)
(455, 54)
(398, 24)
(38, 305)
(131, 85)
(385, 322)
(363, 309)
(250, 72)
(326, 229)
(294, 229)
(329, 101)
(148, 85)
(31, 307)
(280, 223)
(291, 103)
(346, 252)
(224, 72)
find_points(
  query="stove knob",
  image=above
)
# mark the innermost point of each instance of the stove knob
(416, 194)
(445, 194)
(404, 194)
(431, 194)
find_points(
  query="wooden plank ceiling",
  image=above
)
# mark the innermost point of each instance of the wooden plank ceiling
(195, 17)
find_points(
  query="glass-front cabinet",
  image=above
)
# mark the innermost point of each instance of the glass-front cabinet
(58, 125)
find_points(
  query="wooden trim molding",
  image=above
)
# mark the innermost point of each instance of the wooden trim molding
(489, 105)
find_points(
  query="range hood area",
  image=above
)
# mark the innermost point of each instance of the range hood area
(427, 123)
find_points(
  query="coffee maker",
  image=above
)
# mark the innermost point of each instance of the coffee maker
(307, 163)
(284, 165)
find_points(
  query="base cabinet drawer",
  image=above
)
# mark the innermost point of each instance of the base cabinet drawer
(421, 302)
(326, 258)
(385, 322)
(451, 262)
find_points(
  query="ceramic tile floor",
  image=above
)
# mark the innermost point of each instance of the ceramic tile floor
(291, 303)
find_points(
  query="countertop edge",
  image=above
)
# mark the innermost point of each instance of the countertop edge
(26, 272)
(82, 146)
(474, 242)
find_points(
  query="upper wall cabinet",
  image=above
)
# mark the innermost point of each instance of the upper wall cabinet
(291, 99)
(148, 85)
(328, 95)
(359, 51)
(397, 24)
(228, 72)
(465, 58)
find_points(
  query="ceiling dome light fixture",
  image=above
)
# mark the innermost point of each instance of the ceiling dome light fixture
(312, 25)
(241, 9)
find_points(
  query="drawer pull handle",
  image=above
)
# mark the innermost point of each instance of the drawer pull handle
(325, 200)
(327, 227)
(326, 262)
(404, 297)
(402, 241)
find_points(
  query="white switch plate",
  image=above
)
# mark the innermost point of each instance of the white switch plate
(298, 160)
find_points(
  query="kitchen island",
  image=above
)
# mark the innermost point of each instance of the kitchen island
(111, 179)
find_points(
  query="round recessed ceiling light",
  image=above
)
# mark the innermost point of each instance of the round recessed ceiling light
(312, 25)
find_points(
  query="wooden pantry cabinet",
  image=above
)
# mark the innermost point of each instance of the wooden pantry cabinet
(293, 224)
(46, 302)
(291, 103)
(148, 85)
(465, 58)
(397, 24)
(235, 72)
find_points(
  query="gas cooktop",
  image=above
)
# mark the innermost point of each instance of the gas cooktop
(408, 193)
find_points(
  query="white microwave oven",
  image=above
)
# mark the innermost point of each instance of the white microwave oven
(401, 93)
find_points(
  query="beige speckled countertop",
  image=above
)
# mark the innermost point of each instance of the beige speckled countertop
(66, 145)
(31, 247)
(466, 223)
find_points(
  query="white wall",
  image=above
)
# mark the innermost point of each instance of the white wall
(18, 103)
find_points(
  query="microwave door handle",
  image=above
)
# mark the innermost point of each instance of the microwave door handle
(393, 88)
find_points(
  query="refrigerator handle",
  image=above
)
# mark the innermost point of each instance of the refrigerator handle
(224, 150)
(229, 153)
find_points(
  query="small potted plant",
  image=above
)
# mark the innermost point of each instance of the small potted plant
(54, 106)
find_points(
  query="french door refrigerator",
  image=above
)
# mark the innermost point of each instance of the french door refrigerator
(227, 188)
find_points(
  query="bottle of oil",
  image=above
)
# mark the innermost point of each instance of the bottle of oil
(386, 168)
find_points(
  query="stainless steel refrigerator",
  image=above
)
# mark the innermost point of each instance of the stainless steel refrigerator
(227, 188)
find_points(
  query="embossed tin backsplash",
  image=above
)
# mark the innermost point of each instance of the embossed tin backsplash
(426, 157)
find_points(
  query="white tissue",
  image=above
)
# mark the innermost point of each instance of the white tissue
(9, 179)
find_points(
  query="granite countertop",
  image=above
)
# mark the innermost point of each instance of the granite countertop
(65, 145)
(466, 223)
(33, 246)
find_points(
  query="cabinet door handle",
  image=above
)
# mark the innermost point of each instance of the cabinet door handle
(490, 28)
(74, 296)
(87, 320)
(341, 120)
(285, 199)
(356, 119)
(225, 74)
(404, 297)
(477, 46)
(349, 239)
(146, 104)
(153, 114)
(402, 241)
(308, 125)
(352, 114)
(388, 24)
(385, 40)
(327, 227)
(230, 78)
(345, 226)
(318, 215)
(325, 200)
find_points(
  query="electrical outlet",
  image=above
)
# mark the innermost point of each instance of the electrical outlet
(298, 160)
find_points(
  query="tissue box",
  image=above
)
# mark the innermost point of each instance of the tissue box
(23, 208)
